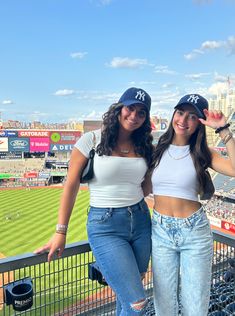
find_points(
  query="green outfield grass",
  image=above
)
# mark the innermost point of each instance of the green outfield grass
(28, 218)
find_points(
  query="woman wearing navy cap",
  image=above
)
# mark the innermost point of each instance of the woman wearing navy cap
(182, 243)
(119, 223)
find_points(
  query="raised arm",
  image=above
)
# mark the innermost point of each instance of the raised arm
(217, 121)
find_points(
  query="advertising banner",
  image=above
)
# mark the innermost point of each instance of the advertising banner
(64, 137)
(30, 174)
(44, 175)
(58, 174)
(228, 226)
(10, 155)
(3, 144)
(220, 148)
(214, 221)
(31, 133)
(8, 133)
(61, 147)
(39, 144)
(18, 144)
(6, 176)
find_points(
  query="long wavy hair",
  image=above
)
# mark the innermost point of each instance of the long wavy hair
(199, 150)
(141, 137)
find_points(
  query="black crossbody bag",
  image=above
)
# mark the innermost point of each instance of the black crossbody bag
(88, 171)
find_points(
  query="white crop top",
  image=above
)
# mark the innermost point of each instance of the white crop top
(117, 180)
(176, 175)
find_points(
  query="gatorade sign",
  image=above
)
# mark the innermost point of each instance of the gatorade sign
(33, 133)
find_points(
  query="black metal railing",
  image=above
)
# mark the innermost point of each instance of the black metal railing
(63, 287)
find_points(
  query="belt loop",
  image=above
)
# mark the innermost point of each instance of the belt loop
(110, 211)
(160, 219)
(188, 222)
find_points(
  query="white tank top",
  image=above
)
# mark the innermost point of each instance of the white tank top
(117, 180)
(176, 175)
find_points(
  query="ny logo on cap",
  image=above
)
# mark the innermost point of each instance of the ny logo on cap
(193, 98)
(140, 95)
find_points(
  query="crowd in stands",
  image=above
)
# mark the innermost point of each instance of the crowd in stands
(22, 166)
(218, 208)
(18, 168)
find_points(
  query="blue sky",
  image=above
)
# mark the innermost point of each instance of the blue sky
(64, 60)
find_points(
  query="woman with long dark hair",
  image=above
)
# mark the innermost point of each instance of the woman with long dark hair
(182, 243)
(119, 223)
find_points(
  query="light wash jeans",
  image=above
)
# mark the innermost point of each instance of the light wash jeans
(182, 249)
(120, 239)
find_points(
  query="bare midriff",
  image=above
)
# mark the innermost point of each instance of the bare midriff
(175, 207)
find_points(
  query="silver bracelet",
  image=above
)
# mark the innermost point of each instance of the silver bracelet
(227, 137)
(61, 228)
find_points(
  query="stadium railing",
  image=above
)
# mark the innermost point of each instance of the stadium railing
(63, 287)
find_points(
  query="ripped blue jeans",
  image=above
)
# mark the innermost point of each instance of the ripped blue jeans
(120, 239)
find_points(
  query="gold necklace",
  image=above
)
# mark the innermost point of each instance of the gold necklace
(177, 158)
(125, 151)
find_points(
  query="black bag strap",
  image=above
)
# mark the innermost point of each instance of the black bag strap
(92, 151)
(93, 140)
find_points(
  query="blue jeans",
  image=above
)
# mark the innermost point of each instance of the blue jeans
(182, 249)
(120, 239)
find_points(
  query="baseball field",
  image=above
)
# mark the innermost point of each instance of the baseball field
(28, 218)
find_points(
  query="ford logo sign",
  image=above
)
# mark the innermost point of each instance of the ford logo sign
(19, 143)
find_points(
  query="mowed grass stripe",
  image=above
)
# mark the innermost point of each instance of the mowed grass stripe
(43, 230)
(33, 215)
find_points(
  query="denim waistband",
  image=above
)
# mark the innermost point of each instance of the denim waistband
(179, 220)
(133, 207)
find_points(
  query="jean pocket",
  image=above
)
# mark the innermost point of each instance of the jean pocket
(202, 224)
(99, 216)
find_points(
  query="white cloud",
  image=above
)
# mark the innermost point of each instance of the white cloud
(211, 45)
(167, 85)
(64, 92)
(125, 62)
(220, 78)
(78, 55)
(164, 70)
(93, 115)
(36, 115)
(193, 54)
(196, 76)
(7, 102)
(218, 87)
(208, 46)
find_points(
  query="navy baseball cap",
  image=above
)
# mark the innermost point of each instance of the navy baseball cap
(197, 101)
(136, 96)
